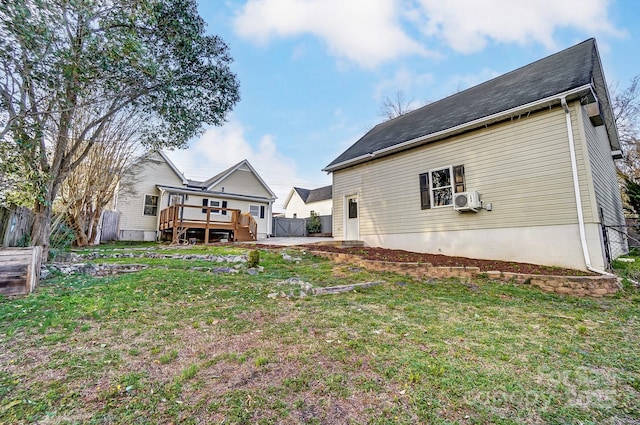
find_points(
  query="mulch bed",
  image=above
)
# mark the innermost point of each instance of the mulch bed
(437, 260)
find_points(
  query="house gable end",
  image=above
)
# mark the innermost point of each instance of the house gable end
(151, 169)
(290, 196)
(570, 71)
(242, 179)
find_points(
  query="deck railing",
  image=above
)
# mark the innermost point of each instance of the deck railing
(247, 220)
(181, 213)
(179, 217)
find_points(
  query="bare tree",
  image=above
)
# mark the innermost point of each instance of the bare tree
(626, 109)
(90, 187)
(396, 106)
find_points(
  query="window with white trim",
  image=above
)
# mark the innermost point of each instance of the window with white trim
(214, 203)
(150, 205)
(218, 203)
(438, 185)
(257, 211)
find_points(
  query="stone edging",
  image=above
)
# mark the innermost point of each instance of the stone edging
(594, 286)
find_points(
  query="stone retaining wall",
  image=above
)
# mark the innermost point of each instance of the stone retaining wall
(594, 286)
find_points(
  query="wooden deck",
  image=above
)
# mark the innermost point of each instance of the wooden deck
(178, 219)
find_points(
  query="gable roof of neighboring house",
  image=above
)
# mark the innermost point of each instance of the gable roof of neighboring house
(574, 73)
(311, 195)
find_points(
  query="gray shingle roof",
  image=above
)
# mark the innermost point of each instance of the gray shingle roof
(303, 193)
(315, 195)
(569, 69)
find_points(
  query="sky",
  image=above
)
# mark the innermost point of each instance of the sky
(314, 73)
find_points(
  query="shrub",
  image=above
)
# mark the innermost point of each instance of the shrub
(313, 223)
(254, 258)
(60, 238)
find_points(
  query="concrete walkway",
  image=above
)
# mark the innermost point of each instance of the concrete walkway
(290, 241)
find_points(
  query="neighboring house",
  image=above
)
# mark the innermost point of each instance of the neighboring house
(496, 171)
(153, 184)
(301, 202)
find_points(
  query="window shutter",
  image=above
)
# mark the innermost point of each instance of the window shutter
(224, 205)
(458, 178)
(205, 203)
(425, 199)
(261, 211)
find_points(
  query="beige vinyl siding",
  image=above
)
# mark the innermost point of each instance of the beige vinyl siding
(589, 204)
(522, 167)
(242, 181)
(348, 182)
(603, 170)
(151, 171)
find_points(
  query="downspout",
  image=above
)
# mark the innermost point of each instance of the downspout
(269, 218)
(158, 217)
(576, 189)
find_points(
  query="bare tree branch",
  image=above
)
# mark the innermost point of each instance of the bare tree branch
(626, 109)
(396, 106)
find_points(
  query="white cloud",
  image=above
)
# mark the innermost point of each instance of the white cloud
(403, 80)
(468, 25)
(369, 33)
(362, 31)
(221, 147)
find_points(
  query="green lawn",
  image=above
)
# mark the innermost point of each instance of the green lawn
(174, 345)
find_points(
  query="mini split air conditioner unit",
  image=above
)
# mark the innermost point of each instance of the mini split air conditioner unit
(467, 201)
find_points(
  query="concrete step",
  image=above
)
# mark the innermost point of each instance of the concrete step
(342, 244)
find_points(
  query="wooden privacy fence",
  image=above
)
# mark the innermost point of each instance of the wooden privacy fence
(19, 270)
(110, 226)
(326, 224)
(284, 227)
(15, 226)
(289, 227)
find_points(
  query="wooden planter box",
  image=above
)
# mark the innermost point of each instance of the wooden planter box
(19, 270)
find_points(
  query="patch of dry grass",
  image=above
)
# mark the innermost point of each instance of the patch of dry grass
(180, 346)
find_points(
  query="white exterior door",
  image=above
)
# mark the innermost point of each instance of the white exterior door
(352, 227)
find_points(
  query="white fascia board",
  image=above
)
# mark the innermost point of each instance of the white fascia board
(289, 196)
(361, 158)
(173, 166)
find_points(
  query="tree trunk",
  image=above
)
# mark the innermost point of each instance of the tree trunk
(95, 224)
(81, 238)
(78, 224)
(41, 228)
